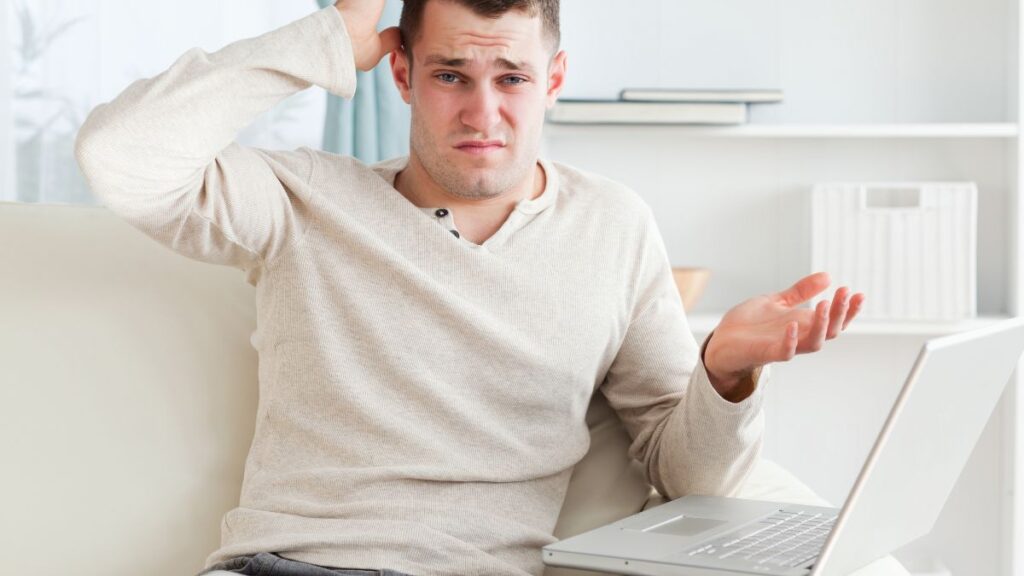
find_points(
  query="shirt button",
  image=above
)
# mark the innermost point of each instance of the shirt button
(441, 212)
(455, 232)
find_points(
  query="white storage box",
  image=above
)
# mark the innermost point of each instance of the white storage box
(910, 247)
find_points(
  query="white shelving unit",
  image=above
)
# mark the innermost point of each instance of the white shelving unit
(875, 90)
(988, 130)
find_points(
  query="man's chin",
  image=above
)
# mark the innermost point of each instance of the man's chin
(478, 189)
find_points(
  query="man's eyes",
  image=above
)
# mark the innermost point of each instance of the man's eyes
(449, 78)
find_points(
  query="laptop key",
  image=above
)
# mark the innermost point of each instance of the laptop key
(783, 539)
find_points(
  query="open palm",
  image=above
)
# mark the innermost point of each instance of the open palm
(773, 328)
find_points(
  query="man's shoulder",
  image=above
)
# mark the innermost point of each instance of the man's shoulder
(345, 163)
(580, 188)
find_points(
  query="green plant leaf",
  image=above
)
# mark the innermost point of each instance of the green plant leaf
(53, 35)
(30, 94)
(28, 33)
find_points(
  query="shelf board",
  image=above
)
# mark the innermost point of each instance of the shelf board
(980, 130)
(702, 324)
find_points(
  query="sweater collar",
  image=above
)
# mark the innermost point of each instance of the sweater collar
(388, 169)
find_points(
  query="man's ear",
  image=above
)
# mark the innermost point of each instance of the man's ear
(556, 77)
(400, 72)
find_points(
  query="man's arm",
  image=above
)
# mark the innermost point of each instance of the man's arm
(161, 154)
(690, 439)
(696, 415)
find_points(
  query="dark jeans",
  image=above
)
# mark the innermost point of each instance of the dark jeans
(270, 564)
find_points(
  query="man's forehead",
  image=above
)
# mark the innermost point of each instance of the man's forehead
(454, 35)
(453, 18)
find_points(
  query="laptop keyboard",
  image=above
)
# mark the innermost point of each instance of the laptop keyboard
(784, 539)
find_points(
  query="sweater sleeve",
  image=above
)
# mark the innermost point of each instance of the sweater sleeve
(689, 439)
(162, 155)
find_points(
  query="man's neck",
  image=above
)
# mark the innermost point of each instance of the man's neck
(476, 219)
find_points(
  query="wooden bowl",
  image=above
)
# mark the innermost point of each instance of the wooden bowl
(691, 283)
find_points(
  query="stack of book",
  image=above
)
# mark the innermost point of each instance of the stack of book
(663, 106)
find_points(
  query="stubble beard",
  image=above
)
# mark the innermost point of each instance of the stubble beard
(497, 181)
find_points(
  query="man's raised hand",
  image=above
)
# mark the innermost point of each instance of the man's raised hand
(771, 328)
(361, 18)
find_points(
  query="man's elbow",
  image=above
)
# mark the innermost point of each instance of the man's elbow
(673, 477)
(112, 170)
(90, 143)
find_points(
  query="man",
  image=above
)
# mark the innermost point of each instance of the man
(431, 329)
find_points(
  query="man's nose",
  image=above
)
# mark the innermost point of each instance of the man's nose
(482, 111)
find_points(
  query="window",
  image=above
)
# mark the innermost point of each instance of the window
(64, 57)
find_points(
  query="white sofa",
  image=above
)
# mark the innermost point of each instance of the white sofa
(129, 393)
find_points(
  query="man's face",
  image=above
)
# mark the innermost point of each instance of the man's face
(478, 92)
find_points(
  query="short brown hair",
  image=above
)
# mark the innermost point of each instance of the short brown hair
(412, 16)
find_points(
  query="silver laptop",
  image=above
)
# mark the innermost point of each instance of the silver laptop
(934, 424)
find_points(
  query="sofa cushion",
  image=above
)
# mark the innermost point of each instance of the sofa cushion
(128, 395)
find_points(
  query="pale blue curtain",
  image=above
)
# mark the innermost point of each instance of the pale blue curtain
(374, 125)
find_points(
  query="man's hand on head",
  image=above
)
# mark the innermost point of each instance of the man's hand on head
(361, 18)
(771, 328)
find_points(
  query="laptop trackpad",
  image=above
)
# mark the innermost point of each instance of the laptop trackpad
(685, 526)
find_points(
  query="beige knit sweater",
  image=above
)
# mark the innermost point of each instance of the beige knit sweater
(422, 398)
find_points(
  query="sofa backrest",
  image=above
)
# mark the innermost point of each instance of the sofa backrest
(129, 390)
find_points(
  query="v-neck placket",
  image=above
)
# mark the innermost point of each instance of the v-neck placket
(445, 218)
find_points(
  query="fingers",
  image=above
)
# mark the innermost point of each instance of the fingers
(825, 323)
(840, 309)
(390, 40)
(805, 289)
(815, 338)
(361, 18)
(387, 41)
(787, 345)
(856, 302)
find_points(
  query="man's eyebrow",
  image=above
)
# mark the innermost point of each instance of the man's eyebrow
(503, 63)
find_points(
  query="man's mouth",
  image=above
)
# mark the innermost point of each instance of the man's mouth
(480, 147)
